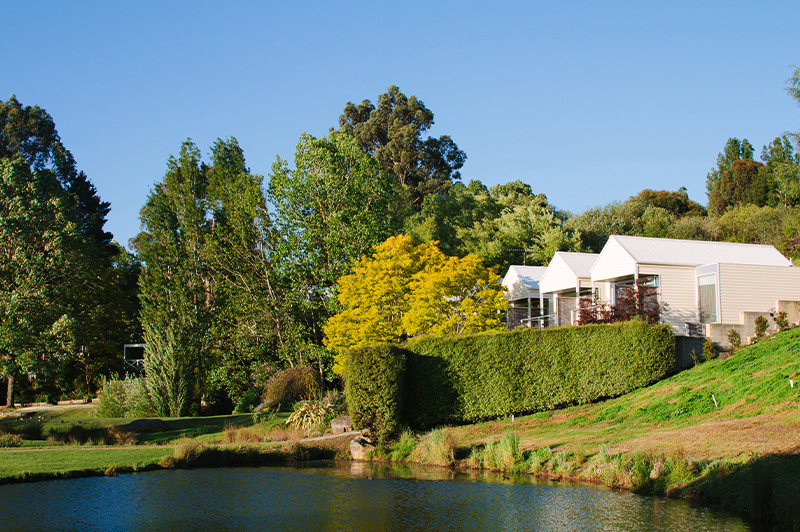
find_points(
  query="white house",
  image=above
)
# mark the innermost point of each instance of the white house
(567, 279)
(706, 288)
(720, 285)
(522, 292)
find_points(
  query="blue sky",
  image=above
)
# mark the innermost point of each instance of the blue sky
(588, 102)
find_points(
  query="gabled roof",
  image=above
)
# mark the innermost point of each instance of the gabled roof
(622, 253)
(580, 263)
(520, 279)
(566, 269)
(646, 250)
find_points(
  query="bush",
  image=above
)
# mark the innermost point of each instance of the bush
(781, 321)
(374, 386)
(761, 326)
(124, 398)
(734, 338)
(708, 350)
(469, 378)
(248, 402)
(294, 384)
(307, 415)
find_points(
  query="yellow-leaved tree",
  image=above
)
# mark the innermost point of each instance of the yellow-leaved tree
(406, 290)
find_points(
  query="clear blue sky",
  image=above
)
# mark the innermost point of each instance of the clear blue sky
(588, 102)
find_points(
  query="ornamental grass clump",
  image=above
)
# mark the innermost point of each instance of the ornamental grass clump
(504, 455)
(10, 440)
(307, 415)
(436, 448)
(539, 459)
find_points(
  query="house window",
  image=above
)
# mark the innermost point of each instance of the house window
(707, 290)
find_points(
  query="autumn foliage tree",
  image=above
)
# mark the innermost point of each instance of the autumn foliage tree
(406, 290)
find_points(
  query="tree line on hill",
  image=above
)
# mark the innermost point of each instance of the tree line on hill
(235, 276)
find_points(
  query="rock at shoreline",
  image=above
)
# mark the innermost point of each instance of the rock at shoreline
(147, 425)
(340, 425)
(360, 448)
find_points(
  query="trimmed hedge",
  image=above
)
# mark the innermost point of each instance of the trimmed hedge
(456, 379)
(374, 388)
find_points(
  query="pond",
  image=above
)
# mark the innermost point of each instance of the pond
(341, 496)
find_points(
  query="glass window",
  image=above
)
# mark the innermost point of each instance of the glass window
(707, 285)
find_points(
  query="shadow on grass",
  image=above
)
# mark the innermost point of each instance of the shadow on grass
(190, 427)
(765, 490)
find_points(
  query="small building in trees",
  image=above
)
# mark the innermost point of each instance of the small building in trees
(522, 292)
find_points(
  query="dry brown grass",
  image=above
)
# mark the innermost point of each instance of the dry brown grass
(278, 434)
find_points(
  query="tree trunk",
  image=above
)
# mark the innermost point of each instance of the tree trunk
(10, 391)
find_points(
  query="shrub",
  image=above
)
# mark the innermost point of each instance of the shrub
(469, 378)
(124, 398)
(761, 326)
(248, 402)
(708, 350)
(294, 384)
(374, 385)
(734, 338)
(10, 440)
(781, 321)
(307, 415)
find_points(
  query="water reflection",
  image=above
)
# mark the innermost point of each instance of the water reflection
(341, 496)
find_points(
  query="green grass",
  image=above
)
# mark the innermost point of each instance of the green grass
(648, 439)
(18, 464)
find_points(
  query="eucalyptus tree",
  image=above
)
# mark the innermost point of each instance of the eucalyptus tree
(393, 133)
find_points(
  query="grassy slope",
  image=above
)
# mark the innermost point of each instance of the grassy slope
(751, 389)
(742, 452)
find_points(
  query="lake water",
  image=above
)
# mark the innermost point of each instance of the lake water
(340, 496)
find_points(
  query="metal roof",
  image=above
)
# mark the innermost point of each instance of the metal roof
(580, 263)
(529, 275)
(646, 250)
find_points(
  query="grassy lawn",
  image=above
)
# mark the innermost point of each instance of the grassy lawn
(67, 459)
(65, 441)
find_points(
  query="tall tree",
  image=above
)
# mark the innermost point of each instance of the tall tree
(175, 284)
(329, 210)
(735, 150)
(744, 182)
(30, 133)
(41, 265)
(393, 133)
(783, 169)
(258, 317)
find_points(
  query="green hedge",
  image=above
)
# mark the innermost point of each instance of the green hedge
(374, 388)
(456, 379)
(490, 375)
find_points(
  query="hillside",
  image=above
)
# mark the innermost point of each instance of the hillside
(672, 438)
